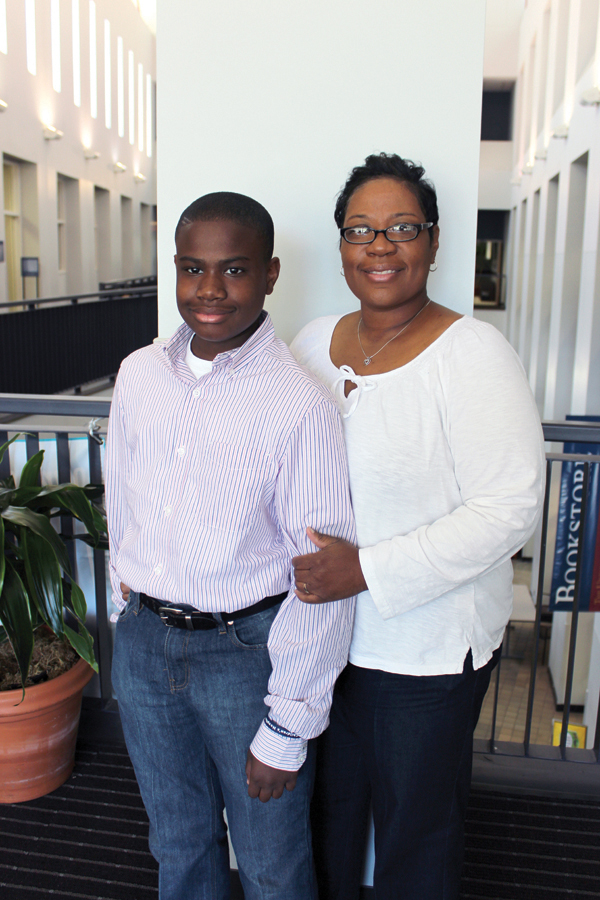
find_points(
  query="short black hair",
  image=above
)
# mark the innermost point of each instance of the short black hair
(390, 165)
(230, 207)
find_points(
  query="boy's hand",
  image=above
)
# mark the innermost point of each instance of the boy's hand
(333, 573)
(125, 591)
(265, 782)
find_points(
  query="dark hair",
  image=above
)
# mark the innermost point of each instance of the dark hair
(390, 165)
(229, 207)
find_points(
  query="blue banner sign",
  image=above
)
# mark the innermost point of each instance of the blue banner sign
(568, 531)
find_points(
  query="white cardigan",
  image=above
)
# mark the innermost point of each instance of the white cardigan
(446, 460)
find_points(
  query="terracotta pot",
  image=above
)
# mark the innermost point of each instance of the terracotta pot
(37, 736)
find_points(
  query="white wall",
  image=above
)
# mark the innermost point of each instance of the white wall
(502, 24)
(32, 100)
(263, 98)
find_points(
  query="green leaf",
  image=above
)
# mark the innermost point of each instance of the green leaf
(44, 579)
(7, 496)
(5, 446)
(67, 497)
(30, 473)
(73, 499)
(2, 557)
(75, 599)
(16, 619)
(83, 644)
(20, 515)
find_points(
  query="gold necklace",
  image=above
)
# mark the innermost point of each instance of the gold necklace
(367, 359)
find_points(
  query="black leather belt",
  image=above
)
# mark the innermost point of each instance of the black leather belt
(176, 617)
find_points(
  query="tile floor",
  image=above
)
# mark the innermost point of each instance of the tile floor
(515, 673)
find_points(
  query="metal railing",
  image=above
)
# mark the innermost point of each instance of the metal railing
(57, 344)
(90, 410)
(564, 432)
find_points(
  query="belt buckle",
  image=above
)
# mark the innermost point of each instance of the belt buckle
(165, 612)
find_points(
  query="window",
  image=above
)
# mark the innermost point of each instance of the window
(12, 228)
(102, 234)
(107, 76)
(120, 89)
(140, 106)
(55, 44)
(489, 258)
(496, 111)
(93, 63)
(61, 220)
(3, 31)
(149, 116)
(30, 36)
(76, 53)
(131, 85)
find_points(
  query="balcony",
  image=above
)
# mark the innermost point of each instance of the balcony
(533, 825)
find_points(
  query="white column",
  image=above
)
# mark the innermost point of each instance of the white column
(537, 293)
(288, 113)
(583, 346)
(557, 289)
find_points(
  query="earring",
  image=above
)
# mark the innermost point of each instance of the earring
(433, 266)
(342, 273)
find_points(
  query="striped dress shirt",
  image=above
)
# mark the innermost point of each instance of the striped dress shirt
(210, 485)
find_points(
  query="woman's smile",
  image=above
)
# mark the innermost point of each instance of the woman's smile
(384, 271)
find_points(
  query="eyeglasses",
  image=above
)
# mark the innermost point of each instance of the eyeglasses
(403, 231)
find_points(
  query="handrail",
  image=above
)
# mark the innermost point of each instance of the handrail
(572, 430)
(53, 405)
(111, 294)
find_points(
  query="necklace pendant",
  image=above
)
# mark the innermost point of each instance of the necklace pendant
(367, 361)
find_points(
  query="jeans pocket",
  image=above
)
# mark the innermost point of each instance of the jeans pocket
(252, 633)
(132, 606)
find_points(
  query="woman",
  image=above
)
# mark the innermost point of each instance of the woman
(446, 469)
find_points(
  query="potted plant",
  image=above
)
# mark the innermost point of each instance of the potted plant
(46, 652)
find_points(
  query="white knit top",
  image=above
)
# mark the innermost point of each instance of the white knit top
(446, 463)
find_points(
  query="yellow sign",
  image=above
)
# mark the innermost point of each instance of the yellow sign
(576, 734)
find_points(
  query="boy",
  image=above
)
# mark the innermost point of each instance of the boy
(221, 451)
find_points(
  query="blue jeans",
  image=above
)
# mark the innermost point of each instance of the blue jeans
(402, 744)
(190, 704)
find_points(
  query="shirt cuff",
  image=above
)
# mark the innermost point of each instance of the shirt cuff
(276, 747)
(369, 567)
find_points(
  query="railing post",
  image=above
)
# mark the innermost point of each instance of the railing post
(103, 636)
(538, 608)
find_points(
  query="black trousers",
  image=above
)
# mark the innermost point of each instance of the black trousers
(403, 745)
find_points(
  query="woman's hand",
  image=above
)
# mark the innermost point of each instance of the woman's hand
(333, 573)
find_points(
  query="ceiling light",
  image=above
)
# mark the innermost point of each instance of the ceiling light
(516, 181)
(3, 105)
(561, 132)
(527, 169)
(541, 154)
(90, 154)
(119, 167)
(591, 97)
(51, 133)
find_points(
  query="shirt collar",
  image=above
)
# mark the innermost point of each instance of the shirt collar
(175, 348)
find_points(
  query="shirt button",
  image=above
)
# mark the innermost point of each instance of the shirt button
(167, 510)
(157, 570)
(196, 393)
(181, 451)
